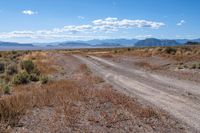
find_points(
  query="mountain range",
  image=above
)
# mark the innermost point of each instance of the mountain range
(100, 43)
(14, 44)
(156, 42)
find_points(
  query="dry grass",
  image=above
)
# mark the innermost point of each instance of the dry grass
(63, 95)
(84, 69)
(44, 60)
(46, 67)
(97, 79)
(179, 53)
(147, 65)
(107, 55)
(71, 100)
(13, 107)
(108, 95)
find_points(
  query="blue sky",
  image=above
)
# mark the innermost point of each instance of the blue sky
(60, 20)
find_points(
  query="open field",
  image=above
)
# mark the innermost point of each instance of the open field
(101, 90)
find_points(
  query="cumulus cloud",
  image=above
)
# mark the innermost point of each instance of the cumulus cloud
(101, 26)
(75, 29)
(181, 23)
(29, 12)
(115, 23)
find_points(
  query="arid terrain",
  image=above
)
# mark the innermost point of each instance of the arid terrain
(101, 90)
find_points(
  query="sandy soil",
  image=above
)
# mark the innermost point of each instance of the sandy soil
(181, 98)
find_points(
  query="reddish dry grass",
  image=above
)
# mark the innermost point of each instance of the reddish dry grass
(46, 67)
(146, 65)
(13, 107)
(118, 99)
(108, 55)
(84, 69)
(62, 94)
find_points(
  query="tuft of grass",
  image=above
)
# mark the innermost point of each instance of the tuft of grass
(34, 77)
(83, 68)
(44, 79)
(98, 79)
(149, 112)
(198, 65)
(193, 66)
(170, 50)
(28, 65)
(21, 78)
(11, 69)
(7, 88)
(108, 55)
(2, 67)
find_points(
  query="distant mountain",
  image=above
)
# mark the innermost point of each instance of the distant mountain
(196, 40)
(73, 44)
(96, 43)
(49, 45)
(84, 45)
(192, 43)
(156, 42)
(107, 45)
(182, 41)
(117, 43)
(129, 42)
(14, 44)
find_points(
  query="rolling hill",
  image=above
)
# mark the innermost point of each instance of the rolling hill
(156, 42)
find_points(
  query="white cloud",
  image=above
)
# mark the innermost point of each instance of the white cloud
(81, 17)
(29, 12)
(115, 23)
(79, 28)
(181, 23)
(96, 28)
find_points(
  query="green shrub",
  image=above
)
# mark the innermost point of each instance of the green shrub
(28, 65)
(36, 71)
(180, 67)
(115, 51)
(6, 89)
(11, 69)
(185, 66)
(34, 77)
(159, 49)
(44, 79)
(170, 50)
(193, 66)
(14, 52)
(2, 67)
(21, 78)
(198, 65)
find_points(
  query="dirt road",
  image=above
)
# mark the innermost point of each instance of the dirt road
(179, 98)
